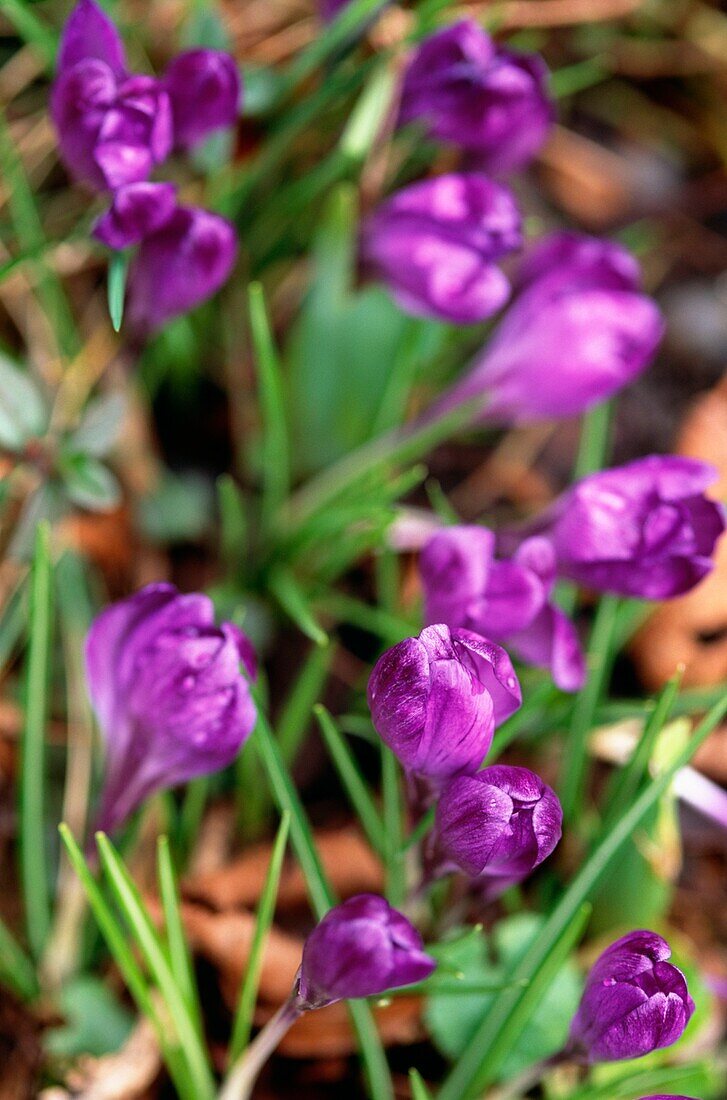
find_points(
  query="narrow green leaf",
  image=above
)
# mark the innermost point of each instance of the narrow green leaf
(12, 623)
(463, 1083)
(357, 791)
(288, 594)
(419, 1090)
(16, 969)
(233, 523)
(266, 909)
(394, 825)
(350, 20)
(322, 898)
(142, 929)
(600, 663)
(33, 846)
(276, 447)
(298, 706)
(41, 38)
(595, 438)
(179, 954)
(369, 114)
(116, 287)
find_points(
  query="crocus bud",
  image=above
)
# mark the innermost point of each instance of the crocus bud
(136, 211)
(645, 529)
(204, 90)
(497, 825)
(359, 949)
(436, 243)
(634, 1001)
(481, 97)
(170, 698)
(435, 700)
(113, 128)
(179, 266)
(578, 331)
(508, 601)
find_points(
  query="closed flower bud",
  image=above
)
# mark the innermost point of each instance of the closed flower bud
(497, 825)
(171, 700)
(484, 98)
(578, 331)
(436, 243)
(435, 700)
(359, 949)
(180, 265)
(509, 601)
(634, 1001)
(204, 90)
(645, 529)
(113, 127)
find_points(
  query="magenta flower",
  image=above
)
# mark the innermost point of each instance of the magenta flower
(436, 243)
(634, 1001)
(168, 692)
(435, 700)
(359, 949)
(645, 529)
(508, 601)
(136, 211)
(114, 127)
(178, 266)
(204, 89)
(488, 100)
(497, 825)
(579, 330)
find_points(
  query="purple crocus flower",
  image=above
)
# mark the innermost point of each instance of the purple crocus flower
(178, 266)
(645, 529)
(509, 601)
(484, 98)
(168, 693)
(136, 211)
(579, 330)
(497, 825)
(113, 127)
(204, 89)
(359, 949)
(435, 700)
(436, 243)
(634, 1001)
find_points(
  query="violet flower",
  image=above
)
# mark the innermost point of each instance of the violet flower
(508, 601)
(136, 211)
(477, 95)
(178, 266)
(497, 825)
(645, 529)
(113, 126)
(634, 1001)
(578, 331)
(360, 948)
(170, 698)
(436, 243)
(435, 700)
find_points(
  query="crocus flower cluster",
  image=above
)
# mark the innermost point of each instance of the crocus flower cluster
(645, 529)
(635, 1001)
(436, 243)
(579, 330)
(510, 601)
(167, 688)
(114, 128)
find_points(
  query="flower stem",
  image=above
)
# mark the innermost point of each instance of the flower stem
(239, 1083)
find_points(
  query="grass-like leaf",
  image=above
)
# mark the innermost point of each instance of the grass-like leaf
(179, 954)
(276, 447)
(419, 1090)
(322, 898)
(116, 287)
(33, 846)
(358, 793)
(266, 909)
(16, 969)
(296, 712)
(288, 593)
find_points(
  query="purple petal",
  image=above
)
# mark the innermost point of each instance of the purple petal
(205, 90)
(90, 34)
(179, 266)
(136, 211)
